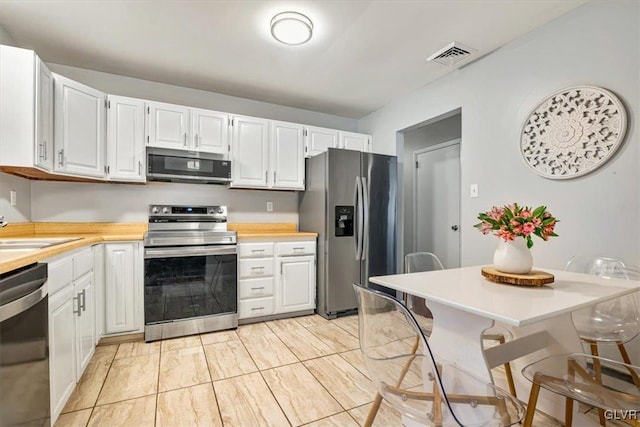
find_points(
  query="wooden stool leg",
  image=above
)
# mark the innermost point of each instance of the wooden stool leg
(568, 412)
(507, 369)
(598, 371)
(373, 411)
(627, 360)
(531, 405)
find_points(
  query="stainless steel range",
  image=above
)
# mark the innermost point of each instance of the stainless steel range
(190, 272)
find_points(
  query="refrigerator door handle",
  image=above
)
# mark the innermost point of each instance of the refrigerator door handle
(365, 214)
(357, 202)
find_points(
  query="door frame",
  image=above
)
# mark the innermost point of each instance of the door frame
(447, 144)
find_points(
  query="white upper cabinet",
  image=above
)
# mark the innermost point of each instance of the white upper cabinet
(355, 141)
(80, 113)
(26, 110)
(168, 125)
(286, 158)
(250, 152)
(317, 140)
(125, 139)
(210, 131)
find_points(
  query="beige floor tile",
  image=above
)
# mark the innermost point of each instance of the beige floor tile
(192, 406)
(300, 395)
(304, 344)
(139, 412)
(74, 419)
(222, 336)
(130, 378)
(183, 368)
(387, 415)
(345, 383)
(253, 329)
(343, 419)
(313, 320)
(228, 359)
(180, 343)
(356, 359)
(132, 349)
(268, 351)
(335, 337)
(247, 401)
(348, 323)
(283, 325)
(105, 353)
(88, 388)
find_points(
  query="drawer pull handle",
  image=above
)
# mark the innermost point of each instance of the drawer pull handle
(257, 268)
(298, 249)
(255, 289)
(253, 251)
(257, 308)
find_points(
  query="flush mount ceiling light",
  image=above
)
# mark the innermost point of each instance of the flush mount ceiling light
(291, 28)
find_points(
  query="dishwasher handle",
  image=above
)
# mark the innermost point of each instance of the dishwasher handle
(24, 303)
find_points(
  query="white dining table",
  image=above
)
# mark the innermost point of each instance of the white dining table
(464, 304)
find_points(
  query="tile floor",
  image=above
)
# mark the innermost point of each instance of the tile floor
(299, 371)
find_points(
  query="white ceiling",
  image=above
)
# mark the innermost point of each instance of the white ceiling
(363, 54)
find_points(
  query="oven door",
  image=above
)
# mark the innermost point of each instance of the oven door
(189, 282)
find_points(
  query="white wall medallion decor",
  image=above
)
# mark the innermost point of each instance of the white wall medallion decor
(573, 132)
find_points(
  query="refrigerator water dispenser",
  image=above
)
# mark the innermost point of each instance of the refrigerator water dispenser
(344, 221)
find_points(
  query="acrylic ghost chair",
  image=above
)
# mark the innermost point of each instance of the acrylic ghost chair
(411, 379)
(426, 261)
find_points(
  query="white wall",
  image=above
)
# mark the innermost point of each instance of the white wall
(599, 44)
(5, 38)
(61, 201)
(21, 212)
(431, 134)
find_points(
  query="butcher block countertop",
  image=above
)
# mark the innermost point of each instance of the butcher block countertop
(89, 233)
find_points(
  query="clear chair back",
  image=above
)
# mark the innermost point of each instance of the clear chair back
(615, 321)
(403, 368)
(421, 261)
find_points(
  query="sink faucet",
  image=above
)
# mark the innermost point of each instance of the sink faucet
(3, 223)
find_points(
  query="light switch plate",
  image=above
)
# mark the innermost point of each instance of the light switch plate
(473, 190)
(269, 206)
(13, 197)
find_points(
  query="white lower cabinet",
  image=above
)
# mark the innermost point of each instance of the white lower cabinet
(123, 288)
(276, 277)
(85, 321)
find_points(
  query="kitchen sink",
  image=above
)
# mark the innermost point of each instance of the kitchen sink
(32, 243)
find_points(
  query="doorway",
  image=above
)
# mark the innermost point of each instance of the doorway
(436, 201)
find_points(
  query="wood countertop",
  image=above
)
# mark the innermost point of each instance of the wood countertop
(268, 230)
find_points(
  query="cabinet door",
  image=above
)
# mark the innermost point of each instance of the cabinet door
(125, 139)
(85, 323)
(44, 117)
(210, 131)
(120, 288)
(287, 156)
(168, 126)
(250, 154)
(317, 140)
(63, 308)
(79, 128)
(355, 141)
(297, 284)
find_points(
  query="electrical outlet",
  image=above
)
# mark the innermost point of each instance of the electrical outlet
(13, 197)
(269, 206)
(473, 190)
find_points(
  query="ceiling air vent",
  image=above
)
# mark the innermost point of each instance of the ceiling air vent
(451, 54)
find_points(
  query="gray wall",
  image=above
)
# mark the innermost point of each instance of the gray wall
(22, 211)
(598, 44)
(431, 134)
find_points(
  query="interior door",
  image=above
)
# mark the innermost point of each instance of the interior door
(287, 156)
(210, 131)
(437, 202)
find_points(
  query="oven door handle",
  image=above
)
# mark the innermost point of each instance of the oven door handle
(187, 251)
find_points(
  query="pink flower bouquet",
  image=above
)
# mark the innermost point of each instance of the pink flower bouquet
(511, 221)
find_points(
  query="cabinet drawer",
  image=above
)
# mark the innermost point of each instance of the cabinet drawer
(255, 250)
(255, 307)
(60, 274)
(83, 263)
(296, 248)
(255, 267)
(255, 288)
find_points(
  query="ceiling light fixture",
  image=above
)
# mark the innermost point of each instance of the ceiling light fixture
(291, 28)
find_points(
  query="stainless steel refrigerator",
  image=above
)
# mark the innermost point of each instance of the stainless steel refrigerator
(350, 201)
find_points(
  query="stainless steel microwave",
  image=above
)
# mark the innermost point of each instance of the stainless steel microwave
(182, 166)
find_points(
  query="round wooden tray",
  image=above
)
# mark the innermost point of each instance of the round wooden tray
(533, 278)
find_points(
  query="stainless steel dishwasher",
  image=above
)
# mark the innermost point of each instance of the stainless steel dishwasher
(24, 347)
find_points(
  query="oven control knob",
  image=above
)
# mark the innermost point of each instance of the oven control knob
(155, 210)
(165, 210)
(220, 211)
